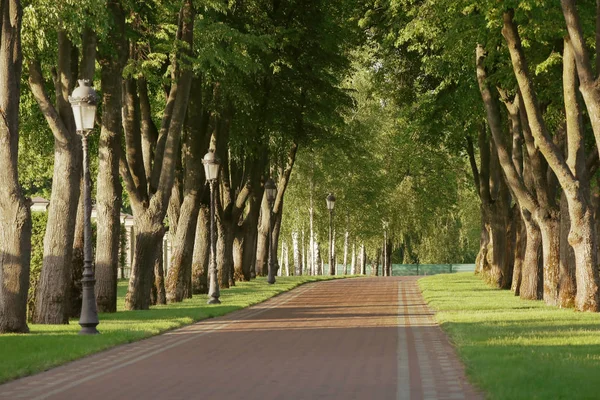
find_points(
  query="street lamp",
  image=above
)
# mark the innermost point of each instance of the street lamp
(271, 192)
(330, 205)
(211, 171)
(83, 102)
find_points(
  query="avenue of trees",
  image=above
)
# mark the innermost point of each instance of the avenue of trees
(448, 130)
(513, 85)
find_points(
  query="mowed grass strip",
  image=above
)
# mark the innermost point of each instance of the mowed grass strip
(517, 349)
(47, 346)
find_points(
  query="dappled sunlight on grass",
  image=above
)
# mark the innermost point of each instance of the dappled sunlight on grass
(50, 345)
(513, 348)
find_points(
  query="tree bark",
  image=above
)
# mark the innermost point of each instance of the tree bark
(297, 255)
(572, 176)
(262, 244)
(519, 250)
(158, 276)
(109, 189)
(531, 275)
(201, 250)
(250, 227)
(197, 139)
(15, 215)
(346, 242)
(567, 285)
(53, 296)
(353, 262)
(150, 205)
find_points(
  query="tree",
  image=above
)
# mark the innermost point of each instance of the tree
(15, 217)
(149, 193)
(112, 59)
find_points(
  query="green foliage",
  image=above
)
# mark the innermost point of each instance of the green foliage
(380, 169)
(513, 348)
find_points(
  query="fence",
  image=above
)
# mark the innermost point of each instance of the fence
(417, 269)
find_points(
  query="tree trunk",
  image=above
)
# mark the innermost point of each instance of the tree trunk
(346, 242)
(238, 253)
(158, 274)
(15, 215)
(201, 251)
(353, 265)
(582, 237)
(519, 253)
(567, 286)
(313, 264)
(549, 229)
(297, 255)
(304, 265)
(250, 241)
(363, 260)
(197, 138)
(376, 261)
(262, 244)
(531, 274)
(52, 297)
(224, 250)
(286, 258)
(109, 189)
(148, 237)
(180, 269)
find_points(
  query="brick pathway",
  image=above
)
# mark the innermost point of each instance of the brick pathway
(370, 338)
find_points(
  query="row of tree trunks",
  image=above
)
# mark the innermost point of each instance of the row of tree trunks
(535, 256)
(571, 174)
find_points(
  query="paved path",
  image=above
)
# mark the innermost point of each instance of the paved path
(369, 338)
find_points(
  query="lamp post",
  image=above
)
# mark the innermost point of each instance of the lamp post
(330, 205)
(271, 192)
(83, 102)
(211, 171)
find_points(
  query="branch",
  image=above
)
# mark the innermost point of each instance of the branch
(584, 67)
(471, 153)
(538, 127)
(285, 177)
(36, 84)
(485, 162)
(132, 191)
(133, 139)
(148, 128)
(515, 181)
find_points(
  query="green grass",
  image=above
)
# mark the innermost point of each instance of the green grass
(47, 346)
(517, 349)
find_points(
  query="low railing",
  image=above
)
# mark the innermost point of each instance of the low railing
(414, 269)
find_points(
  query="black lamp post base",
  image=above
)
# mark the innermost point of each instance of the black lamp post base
(89, 330)
(213, 300)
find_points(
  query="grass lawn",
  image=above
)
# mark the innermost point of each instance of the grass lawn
(51, 345)
(517, 349)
